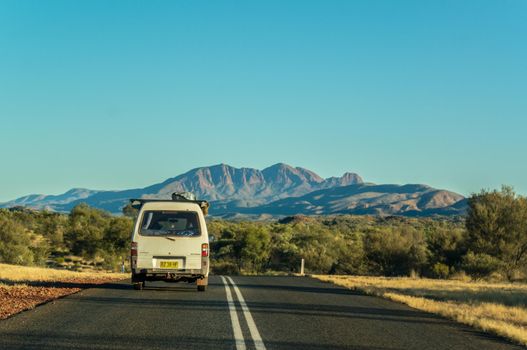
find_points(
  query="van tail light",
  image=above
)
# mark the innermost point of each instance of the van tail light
(133, 250)
(205, 249)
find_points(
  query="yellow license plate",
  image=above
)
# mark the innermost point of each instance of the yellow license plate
(168, 264)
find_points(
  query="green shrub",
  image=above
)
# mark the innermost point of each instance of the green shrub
(440, 270)
(497, 226)
(480, 265)
(15, 242)
(225, 268)
(395, 251)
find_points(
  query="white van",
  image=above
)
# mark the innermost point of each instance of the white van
(170, 242)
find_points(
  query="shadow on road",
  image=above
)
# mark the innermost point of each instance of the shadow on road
(59, 340)
(144, 300)
(299, 288)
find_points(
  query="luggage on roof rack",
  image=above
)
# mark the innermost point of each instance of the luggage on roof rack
(137, 203)
(189, 196)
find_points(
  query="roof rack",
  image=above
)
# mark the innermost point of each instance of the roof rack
(137, 203)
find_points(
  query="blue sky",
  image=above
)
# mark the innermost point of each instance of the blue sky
(122, 94)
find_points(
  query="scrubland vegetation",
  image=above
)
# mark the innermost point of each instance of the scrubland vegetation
(86, 238)
(490, 243)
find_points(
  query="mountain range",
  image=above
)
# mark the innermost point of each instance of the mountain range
(277, 190)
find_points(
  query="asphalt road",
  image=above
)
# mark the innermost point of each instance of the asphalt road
(259, 313)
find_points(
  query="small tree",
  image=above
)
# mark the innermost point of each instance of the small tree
(14, 242)
(87, 228)
(395, 251)
(117, 237)
(446, 247)
(254, 246)
(497, 226)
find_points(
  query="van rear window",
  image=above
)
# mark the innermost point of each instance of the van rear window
(170, 223)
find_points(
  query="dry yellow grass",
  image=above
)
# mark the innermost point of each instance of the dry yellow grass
(39, 274)
(499, 308)
(23, 288)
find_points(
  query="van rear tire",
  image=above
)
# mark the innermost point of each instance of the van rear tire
(202, 288)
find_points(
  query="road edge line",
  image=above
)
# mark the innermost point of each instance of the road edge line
(236, 328)
(255, 334)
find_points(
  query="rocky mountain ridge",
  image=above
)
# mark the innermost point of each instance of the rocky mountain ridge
(277, 190)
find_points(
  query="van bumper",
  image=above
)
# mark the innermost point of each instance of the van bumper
(191, 275)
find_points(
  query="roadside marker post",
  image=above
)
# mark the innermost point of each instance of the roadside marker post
(302, 267)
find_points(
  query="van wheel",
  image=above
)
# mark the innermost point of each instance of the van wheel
(202, 288)
(139, 286)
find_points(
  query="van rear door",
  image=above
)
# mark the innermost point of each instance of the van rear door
(170, 239)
